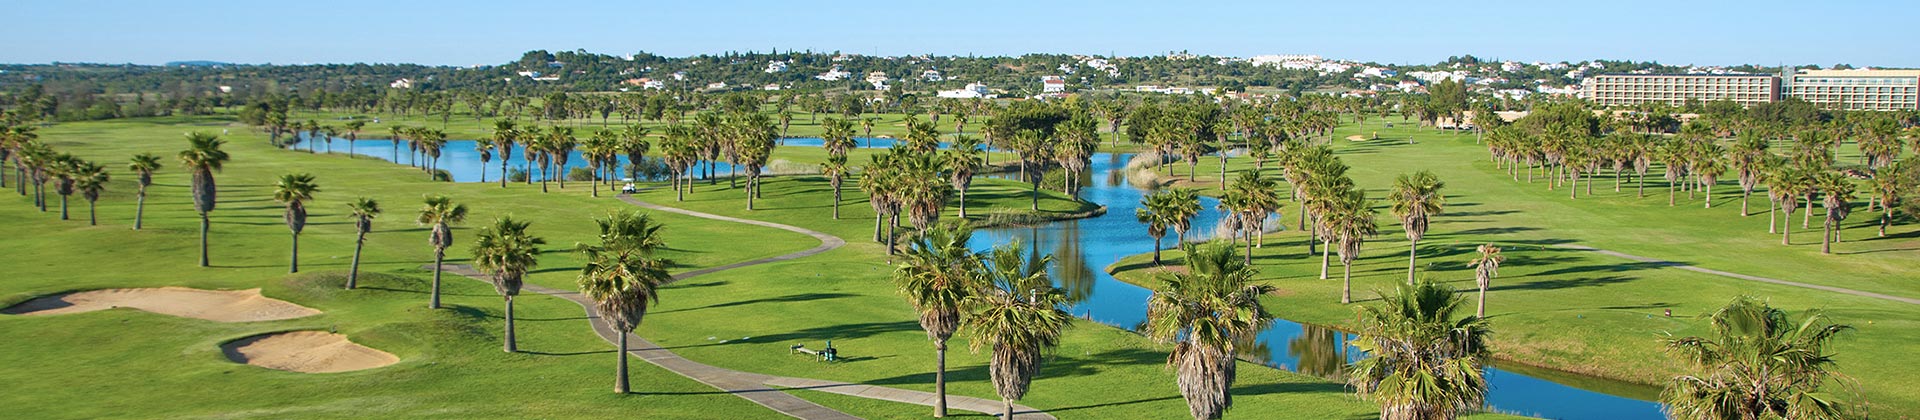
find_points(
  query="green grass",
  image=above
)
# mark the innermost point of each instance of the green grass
(101, 364)
(1590, 313)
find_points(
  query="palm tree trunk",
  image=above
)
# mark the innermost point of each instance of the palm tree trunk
(1786, 229)
(1413, 254)
(93, 219)
(879, 224)
(1346, 285)
(1773, 210)
(204, 225)
(836, 203)
(1826, 236)
(940, 379)
(295, 264)
(1709, 191)
(1156, 249)
(620, 371)
(139, 208)
(503, 172)
(1009, 410)
(1806, 216)
(963, 203)
(433, 299)
(510, 344)
(353, 271)
(1481, 311)
(63, 207)
(1326, 259)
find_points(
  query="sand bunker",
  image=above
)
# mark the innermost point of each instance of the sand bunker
(1356, 137)
(211, 305)
(306, 352)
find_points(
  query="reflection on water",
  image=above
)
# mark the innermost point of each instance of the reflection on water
(1322, 352)
(1084, 248)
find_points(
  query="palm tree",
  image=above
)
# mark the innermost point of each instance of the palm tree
(203, 157)
(353, 135)
(65, 170)
(1837, 193)
(1788, 184)
(1423, 362)
(294, 191)
(362, 210)
(485, 149)
(1349, 222)
(836, 171)
(1416, 198)
(505, 252)
(1207, 310)
(143, 167)
(1485, 267)
(1018, 316)
(399, 134)
(633, 142)
(938, 275)
(1761, 363)
(441, 213)
(560, 145)
(505, 132)
(1156, 212)
(1183, 206)
(622, 277)
(962, 160)
(91, 179)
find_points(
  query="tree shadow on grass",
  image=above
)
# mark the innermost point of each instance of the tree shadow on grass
(1612, 268)
(802, 297)
(822, 333)
(1563, 283)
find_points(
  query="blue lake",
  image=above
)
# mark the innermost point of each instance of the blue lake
(1082, 250)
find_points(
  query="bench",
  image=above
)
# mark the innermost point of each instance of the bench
(828, 354)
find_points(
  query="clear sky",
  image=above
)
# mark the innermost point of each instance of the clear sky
(1862, 33)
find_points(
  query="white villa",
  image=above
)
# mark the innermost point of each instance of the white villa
(402, 83)
(1053, 84)
(973, 90)
(776, 66)
(931, 75)
(836, 74)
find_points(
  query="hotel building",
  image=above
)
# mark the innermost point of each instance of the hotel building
(1677, 89)
(1858, 90)
(1852, 90)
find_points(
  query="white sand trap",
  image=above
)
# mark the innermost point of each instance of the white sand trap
(212, 305)
(1356, 137)
(306, 352)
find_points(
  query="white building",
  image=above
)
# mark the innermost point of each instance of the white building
(717, 85)
(771, 86)
(776, 66)
(1052, 84)
(835, 74)
(402, 83)
(973, 90)
(679, 75)
(931, 75)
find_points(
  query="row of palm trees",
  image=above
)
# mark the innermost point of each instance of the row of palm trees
(41, 165)
(1004, 299)
(621, 275)
(1695, 161)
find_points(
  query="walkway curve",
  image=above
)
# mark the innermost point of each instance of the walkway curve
(1665, 263)
(760, 388)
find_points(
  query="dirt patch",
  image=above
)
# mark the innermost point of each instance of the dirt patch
(212, 305)
(306, 352)
(1356, 137)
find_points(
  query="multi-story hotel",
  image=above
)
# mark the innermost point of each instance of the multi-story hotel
(1858, 90)
(1677, 89)
(1854, 90)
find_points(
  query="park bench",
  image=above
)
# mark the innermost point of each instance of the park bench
(828, 354)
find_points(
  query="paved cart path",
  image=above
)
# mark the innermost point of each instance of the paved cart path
(760, 388)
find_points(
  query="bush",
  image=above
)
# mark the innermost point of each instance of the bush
(580, 174)
(517, 175)
(649, 169)
(442, 175)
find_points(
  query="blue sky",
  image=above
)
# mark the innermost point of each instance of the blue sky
(1862, 33)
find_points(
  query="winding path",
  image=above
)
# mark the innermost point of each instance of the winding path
(1665, 263)
(760, 388)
